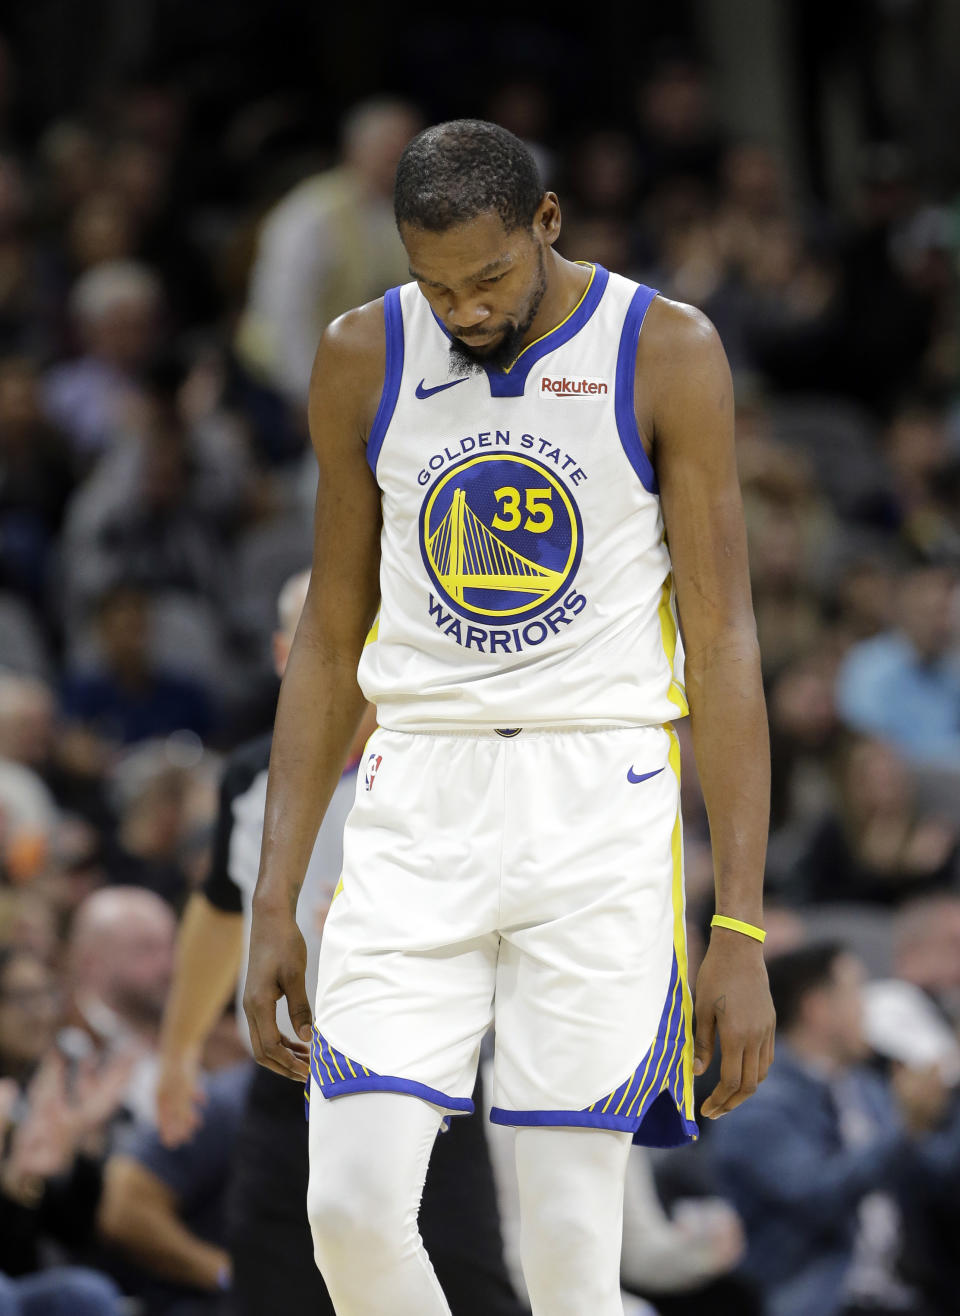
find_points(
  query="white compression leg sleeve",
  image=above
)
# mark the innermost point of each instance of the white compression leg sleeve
(368, 1161)
(571, 1218)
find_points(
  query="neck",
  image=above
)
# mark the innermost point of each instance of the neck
(566, 284)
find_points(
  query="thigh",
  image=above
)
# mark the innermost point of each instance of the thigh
(572, 1170)
(408, 957)
(368, 1157)
(593, 1009)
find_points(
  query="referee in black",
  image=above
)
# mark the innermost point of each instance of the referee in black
(269, 1235)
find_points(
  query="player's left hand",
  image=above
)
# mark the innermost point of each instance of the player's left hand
(732, 1003)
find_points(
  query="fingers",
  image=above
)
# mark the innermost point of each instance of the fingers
(298, 1048)
(269, 1048)
(730, 1070)
(748, 1082)
(704, 1041)
(743, 1069)
(766, 1055)
(301, 1016)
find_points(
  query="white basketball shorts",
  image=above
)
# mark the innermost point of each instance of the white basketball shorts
(532, 880)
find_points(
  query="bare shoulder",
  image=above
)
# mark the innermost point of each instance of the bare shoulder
(348, 370)
(358, 333)
(681, 366)
(677, 336)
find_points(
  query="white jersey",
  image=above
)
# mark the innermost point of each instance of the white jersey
(525, 577)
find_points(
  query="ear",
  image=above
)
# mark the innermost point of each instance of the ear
(546, 222)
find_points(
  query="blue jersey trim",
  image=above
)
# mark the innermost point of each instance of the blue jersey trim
(624, 407)
(662, 1125)
(576, 1119)
(387, 1083)
(393, 371)
(511, 383)
(328, 1075)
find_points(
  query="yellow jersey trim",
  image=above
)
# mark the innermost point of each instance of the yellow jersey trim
(593, 271)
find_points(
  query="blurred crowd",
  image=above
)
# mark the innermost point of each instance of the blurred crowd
(156, 491)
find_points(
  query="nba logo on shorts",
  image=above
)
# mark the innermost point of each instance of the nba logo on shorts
(373, 763)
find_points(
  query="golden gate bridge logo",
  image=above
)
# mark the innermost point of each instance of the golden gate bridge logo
(490, 501)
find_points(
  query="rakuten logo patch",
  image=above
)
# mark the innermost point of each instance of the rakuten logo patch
(572, 388)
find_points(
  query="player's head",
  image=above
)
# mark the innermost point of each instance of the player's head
(290, 603)
(477, 226)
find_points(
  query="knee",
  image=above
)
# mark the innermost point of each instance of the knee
(351, 1215)
(568, 1251)
(560, 1233)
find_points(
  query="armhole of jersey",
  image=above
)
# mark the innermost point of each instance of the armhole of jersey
(393, 370)
(624, 389)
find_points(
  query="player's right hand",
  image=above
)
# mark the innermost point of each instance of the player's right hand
(278, 967)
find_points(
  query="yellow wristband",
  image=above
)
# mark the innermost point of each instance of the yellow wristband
(737, 925)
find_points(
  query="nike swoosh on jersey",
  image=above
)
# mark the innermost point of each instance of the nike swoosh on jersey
(422, 392)
(643, 776)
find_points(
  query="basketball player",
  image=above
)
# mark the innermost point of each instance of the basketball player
(268, 1219)
(507, 445)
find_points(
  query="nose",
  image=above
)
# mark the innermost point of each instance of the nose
(467, 314)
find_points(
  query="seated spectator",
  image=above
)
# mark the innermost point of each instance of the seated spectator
(119, 966)
(129, 699)
(26, 720)
(864, 597)
(165, 1207)
(820, 1162)
(69, 761)
(905, 1026)
(116, 308)
(904, 685)
(36, 479)
(926, 950)
(28, 820)
(880, 844)
(181, 454)
(920, 464)
(152, 793)
(803, 736)
(51, 1129)
(144, 513)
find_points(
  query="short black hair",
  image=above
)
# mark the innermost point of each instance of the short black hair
(455, 171)
(796, 973)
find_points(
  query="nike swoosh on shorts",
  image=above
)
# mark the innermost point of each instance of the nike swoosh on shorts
(643, 776)
(422, 392)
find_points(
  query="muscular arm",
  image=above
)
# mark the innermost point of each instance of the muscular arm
(320, 701)
(685, 403)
